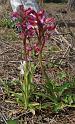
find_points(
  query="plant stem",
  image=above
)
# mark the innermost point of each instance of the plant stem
(24, 43)
(41, 45)
(26, 83)
(25, 76)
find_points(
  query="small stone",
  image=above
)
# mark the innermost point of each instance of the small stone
(46, 119)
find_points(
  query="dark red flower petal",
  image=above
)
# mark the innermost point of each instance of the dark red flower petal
(15, 14)
(36, 48)
(49, 20)
(50, 28)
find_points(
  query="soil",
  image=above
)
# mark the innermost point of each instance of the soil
(11, 50)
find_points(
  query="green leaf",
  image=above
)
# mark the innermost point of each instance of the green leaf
(49, 86)
(58, 106)
(39, 94)
(62, 75)
(49, 83)
(68, 99)
(12, 122)
(19, 97)
(60, 89)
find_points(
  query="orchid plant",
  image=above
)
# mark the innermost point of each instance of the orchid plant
(31, 24)
(36, 24)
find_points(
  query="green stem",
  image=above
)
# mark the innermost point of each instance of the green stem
(25, 87)
(41, 64)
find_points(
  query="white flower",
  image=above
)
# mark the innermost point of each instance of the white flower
(22, 72)
(22, 67)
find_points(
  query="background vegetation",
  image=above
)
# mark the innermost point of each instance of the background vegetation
(56, 1)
